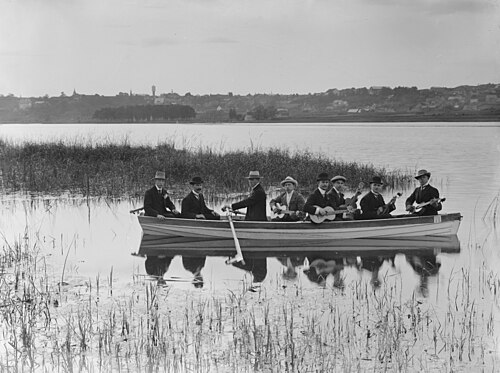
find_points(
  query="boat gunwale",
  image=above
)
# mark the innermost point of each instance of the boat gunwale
(398, 220)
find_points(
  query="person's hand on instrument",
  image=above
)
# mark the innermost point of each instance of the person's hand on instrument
(410, 208)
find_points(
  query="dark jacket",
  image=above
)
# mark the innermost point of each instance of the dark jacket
(255, 204)
(337, 199)
(192, 206)
(316, 199)
(425, 195)
(370, 204)
(155, 204)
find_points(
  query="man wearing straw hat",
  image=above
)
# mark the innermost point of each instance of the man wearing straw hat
(290, 200)
(193, 205)
(424, 193)
(256, 202)
(157, 200)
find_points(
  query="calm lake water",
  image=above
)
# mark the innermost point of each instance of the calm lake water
(90, 238)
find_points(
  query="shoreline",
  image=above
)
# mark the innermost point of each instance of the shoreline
(339, 118)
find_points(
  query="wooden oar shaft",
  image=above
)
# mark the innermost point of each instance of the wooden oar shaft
(239, 254)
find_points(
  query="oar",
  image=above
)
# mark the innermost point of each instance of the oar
(136, 210)
(239, 254)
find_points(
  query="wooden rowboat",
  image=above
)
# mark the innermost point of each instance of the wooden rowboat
(189, 233)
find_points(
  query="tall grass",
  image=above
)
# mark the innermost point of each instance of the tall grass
(113, 170)
(154, 328)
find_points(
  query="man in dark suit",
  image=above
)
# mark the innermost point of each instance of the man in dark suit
(424, 193)
(256, 202)
(373, 205)
(194, 206)
(318, 200)
(156, 199)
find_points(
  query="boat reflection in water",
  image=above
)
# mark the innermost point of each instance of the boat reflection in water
(317, 264)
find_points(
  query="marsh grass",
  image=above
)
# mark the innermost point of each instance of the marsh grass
(115, 170)
(278, 328)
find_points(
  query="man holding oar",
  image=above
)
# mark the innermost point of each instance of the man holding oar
(255, 203)
(425, 193)
(157, 200)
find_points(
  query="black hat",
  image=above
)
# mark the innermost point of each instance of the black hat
(376, 180)
(323, 177)
(196, 180)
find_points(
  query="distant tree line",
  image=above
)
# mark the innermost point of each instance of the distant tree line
(145, 113)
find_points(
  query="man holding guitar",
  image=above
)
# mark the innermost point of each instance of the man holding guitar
(426, 197)
(317, 202)
(289, 204)
(373, 205)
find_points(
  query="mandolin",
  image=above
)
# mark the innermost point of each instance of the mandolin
(331, 214)
(352, 201)
(386, 208)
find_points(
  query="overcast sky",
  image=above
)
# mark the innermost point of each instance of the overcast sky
(244, 46)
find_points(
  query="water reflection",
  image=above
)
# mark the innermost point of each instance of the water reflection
(321, 266)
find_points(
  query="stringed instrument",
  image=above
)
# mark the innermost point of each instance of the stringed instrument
(423, 204)
(386, 208)
(331, 214)
(352, 201)
(282, 210)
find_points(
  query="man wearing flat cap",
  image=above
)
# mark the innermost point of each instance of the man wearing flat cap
(290, 200)
(194, 206)
(157, 200)
(336, 195)
(373, 205)
(319, 199)
(424, 193)
(256, 202)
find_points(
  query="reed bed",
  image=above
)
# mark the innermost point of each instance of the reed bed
(116, 170)
(48, 326)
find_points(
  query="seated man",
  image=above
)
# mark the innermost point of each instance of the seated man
(290, 200)
(255, 203)
(193, 205)
(318, 200)
(424, 193)
(156, 199)
(338, 201)
(373, 205)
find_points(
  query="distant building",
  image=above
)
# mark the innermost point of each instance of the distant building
(282, 113)
(24, 103)
(159, 101)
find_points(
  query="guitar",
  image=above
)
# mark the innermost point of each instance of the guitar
(386, 208)
(331, 215)
(282, 210)
(423, 204)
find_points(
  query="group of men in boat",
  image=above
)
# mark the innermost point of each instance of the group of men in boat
(326, 202)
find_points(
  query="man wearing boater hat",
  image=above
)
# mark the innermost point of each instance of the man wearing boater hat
(290, 200)
(256, 202)
(319, 199)
(424, 193)
(156, 199)
(373, 205)
(194, 206)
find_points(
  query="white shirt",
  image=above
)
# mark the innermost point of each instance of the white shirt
(288, 199)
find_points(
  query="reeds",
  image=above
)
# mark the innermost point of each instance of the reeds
(151, 327)
(116, 170)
